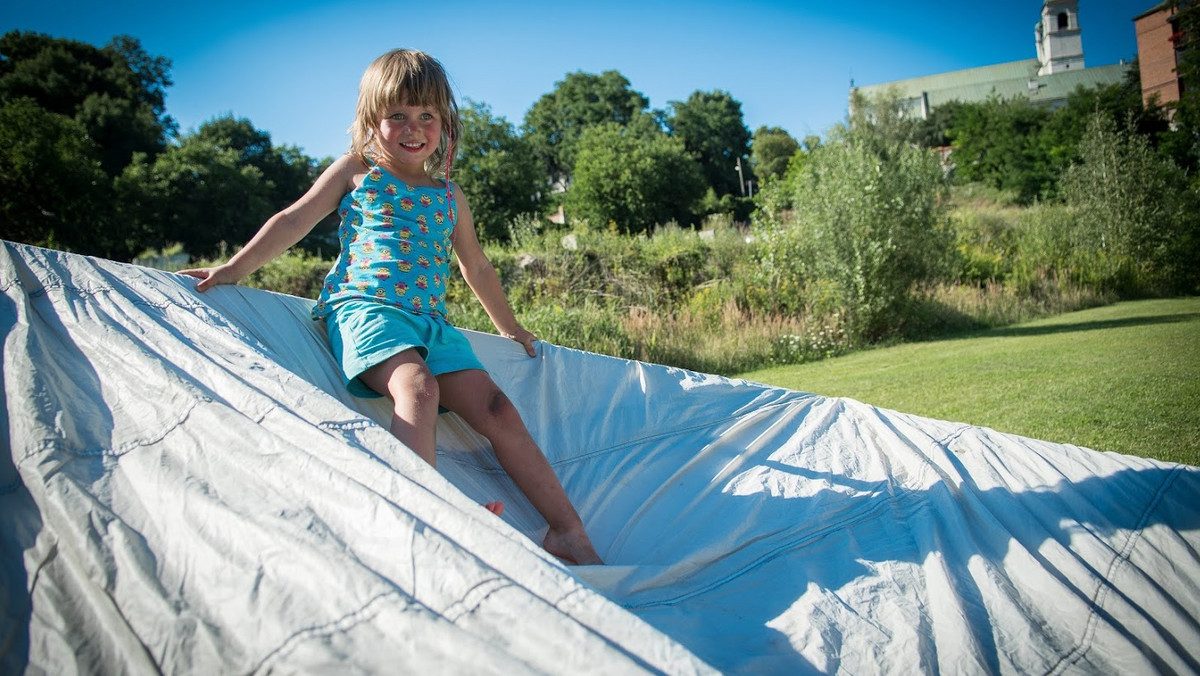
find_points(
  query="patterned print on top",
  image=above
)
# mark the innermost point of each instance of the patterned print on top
(396, 244)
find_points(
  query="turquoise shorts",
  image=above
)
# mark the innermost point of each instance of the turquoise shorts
(364, 333)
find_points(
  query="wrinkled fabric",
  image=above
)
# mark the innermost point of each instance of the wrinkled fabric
(190, 489)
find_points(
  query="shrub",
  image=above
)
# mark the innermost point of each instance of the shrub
(629, 183)
(985, 240)
(1133, 209)
(868, 216)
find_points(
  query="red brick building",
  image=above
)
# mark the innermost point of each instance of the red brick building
(1157, 38)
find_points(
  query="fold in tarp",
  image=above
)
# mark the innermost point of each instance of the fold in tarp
(189, 488)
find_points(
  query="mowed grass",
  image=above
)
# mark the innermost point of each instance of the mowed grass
(1124, 378)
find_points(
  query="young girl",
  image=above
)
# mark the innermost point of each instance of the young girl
(384, 300)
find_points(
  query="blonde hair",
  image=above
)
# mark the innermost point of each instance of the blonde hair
(413, 78)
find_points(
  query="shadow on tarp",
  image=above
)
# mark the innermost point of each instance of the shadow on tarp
(961, 524)
(20, 521)
(64, 382)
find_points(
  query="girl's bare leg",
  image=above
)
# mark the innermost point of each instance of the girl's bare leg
(414, 393)
(473, 395)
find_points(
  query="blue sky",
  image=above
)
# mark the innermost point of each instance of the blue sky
(292, 68)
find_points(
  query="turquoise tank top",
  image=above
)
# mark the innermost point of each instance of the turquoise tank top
(396, 243)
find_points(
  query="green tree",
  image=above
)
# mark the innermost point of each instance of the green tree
(1182, 143)
(632, 181)
(999, 142)
(772, 149)
(196, 193)
(1121, 103)
(1136, 208)
(117, 92)
(934, 130)
(711, 128)
(74, 117)
(581, 100)
(885, 120)
(497, 171)
(287, 171)
(1012, 144)
(866, 225)
(775, 198)
(53, 191)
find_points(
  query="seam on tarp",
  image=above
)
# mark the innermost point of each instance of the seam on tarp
(344, 623)
(346, 425)
(58, 283)
(561, 604)
(613, 643)
(484, 589)
(663, 435)
(1103, 587)
(92, 291)
(136, 300)
(110, 451)
(70, 288)
(952, 437)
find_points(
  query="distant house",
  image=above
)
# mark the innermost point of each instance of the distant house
(1046, 80)
(1157, 40)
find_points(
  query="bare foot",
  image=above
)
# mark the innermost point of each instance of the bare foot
(496, 507)
(573, 547)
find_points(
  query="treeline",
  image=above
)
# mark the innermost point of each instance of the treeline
(91, 161)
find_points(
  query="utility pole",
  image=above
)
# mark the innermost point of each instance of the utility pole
(741, 181)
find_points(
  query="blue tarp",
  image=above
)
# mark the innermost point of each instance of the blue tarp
(190, 489)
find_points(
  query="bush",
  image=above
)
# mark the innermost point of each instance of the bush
(630, 184)
(1133, 210)
(986, 241)
(295, 272)
(868, 217)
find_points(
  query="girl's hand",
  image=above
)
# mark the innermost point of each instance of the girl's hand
(210, 277)
(525, 338)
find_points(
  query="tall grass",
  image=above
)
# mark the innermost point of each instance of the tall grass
(859, 244)
(701, 299)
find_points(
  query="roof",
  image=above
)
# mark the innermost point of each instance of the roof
(1005, 80)
(1166, 5)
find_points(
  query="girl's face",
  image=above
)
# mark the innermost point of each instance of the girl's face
(408, 135)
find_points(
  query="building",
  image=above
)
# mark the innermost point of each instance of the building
(1157, 42)
(1059, 39)
(1046, 80)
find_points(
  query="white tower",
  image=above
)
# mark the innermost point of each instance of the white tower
(1059, 42)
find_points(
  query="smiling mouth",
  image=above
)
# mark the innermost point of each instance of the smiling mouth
(414, 146)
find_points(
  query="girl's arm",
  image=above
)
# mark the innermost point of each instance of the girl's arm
(479, 274)
(285, 228)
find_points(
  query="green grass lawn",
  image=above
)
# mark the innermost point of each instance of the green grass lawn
(1123, 378)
